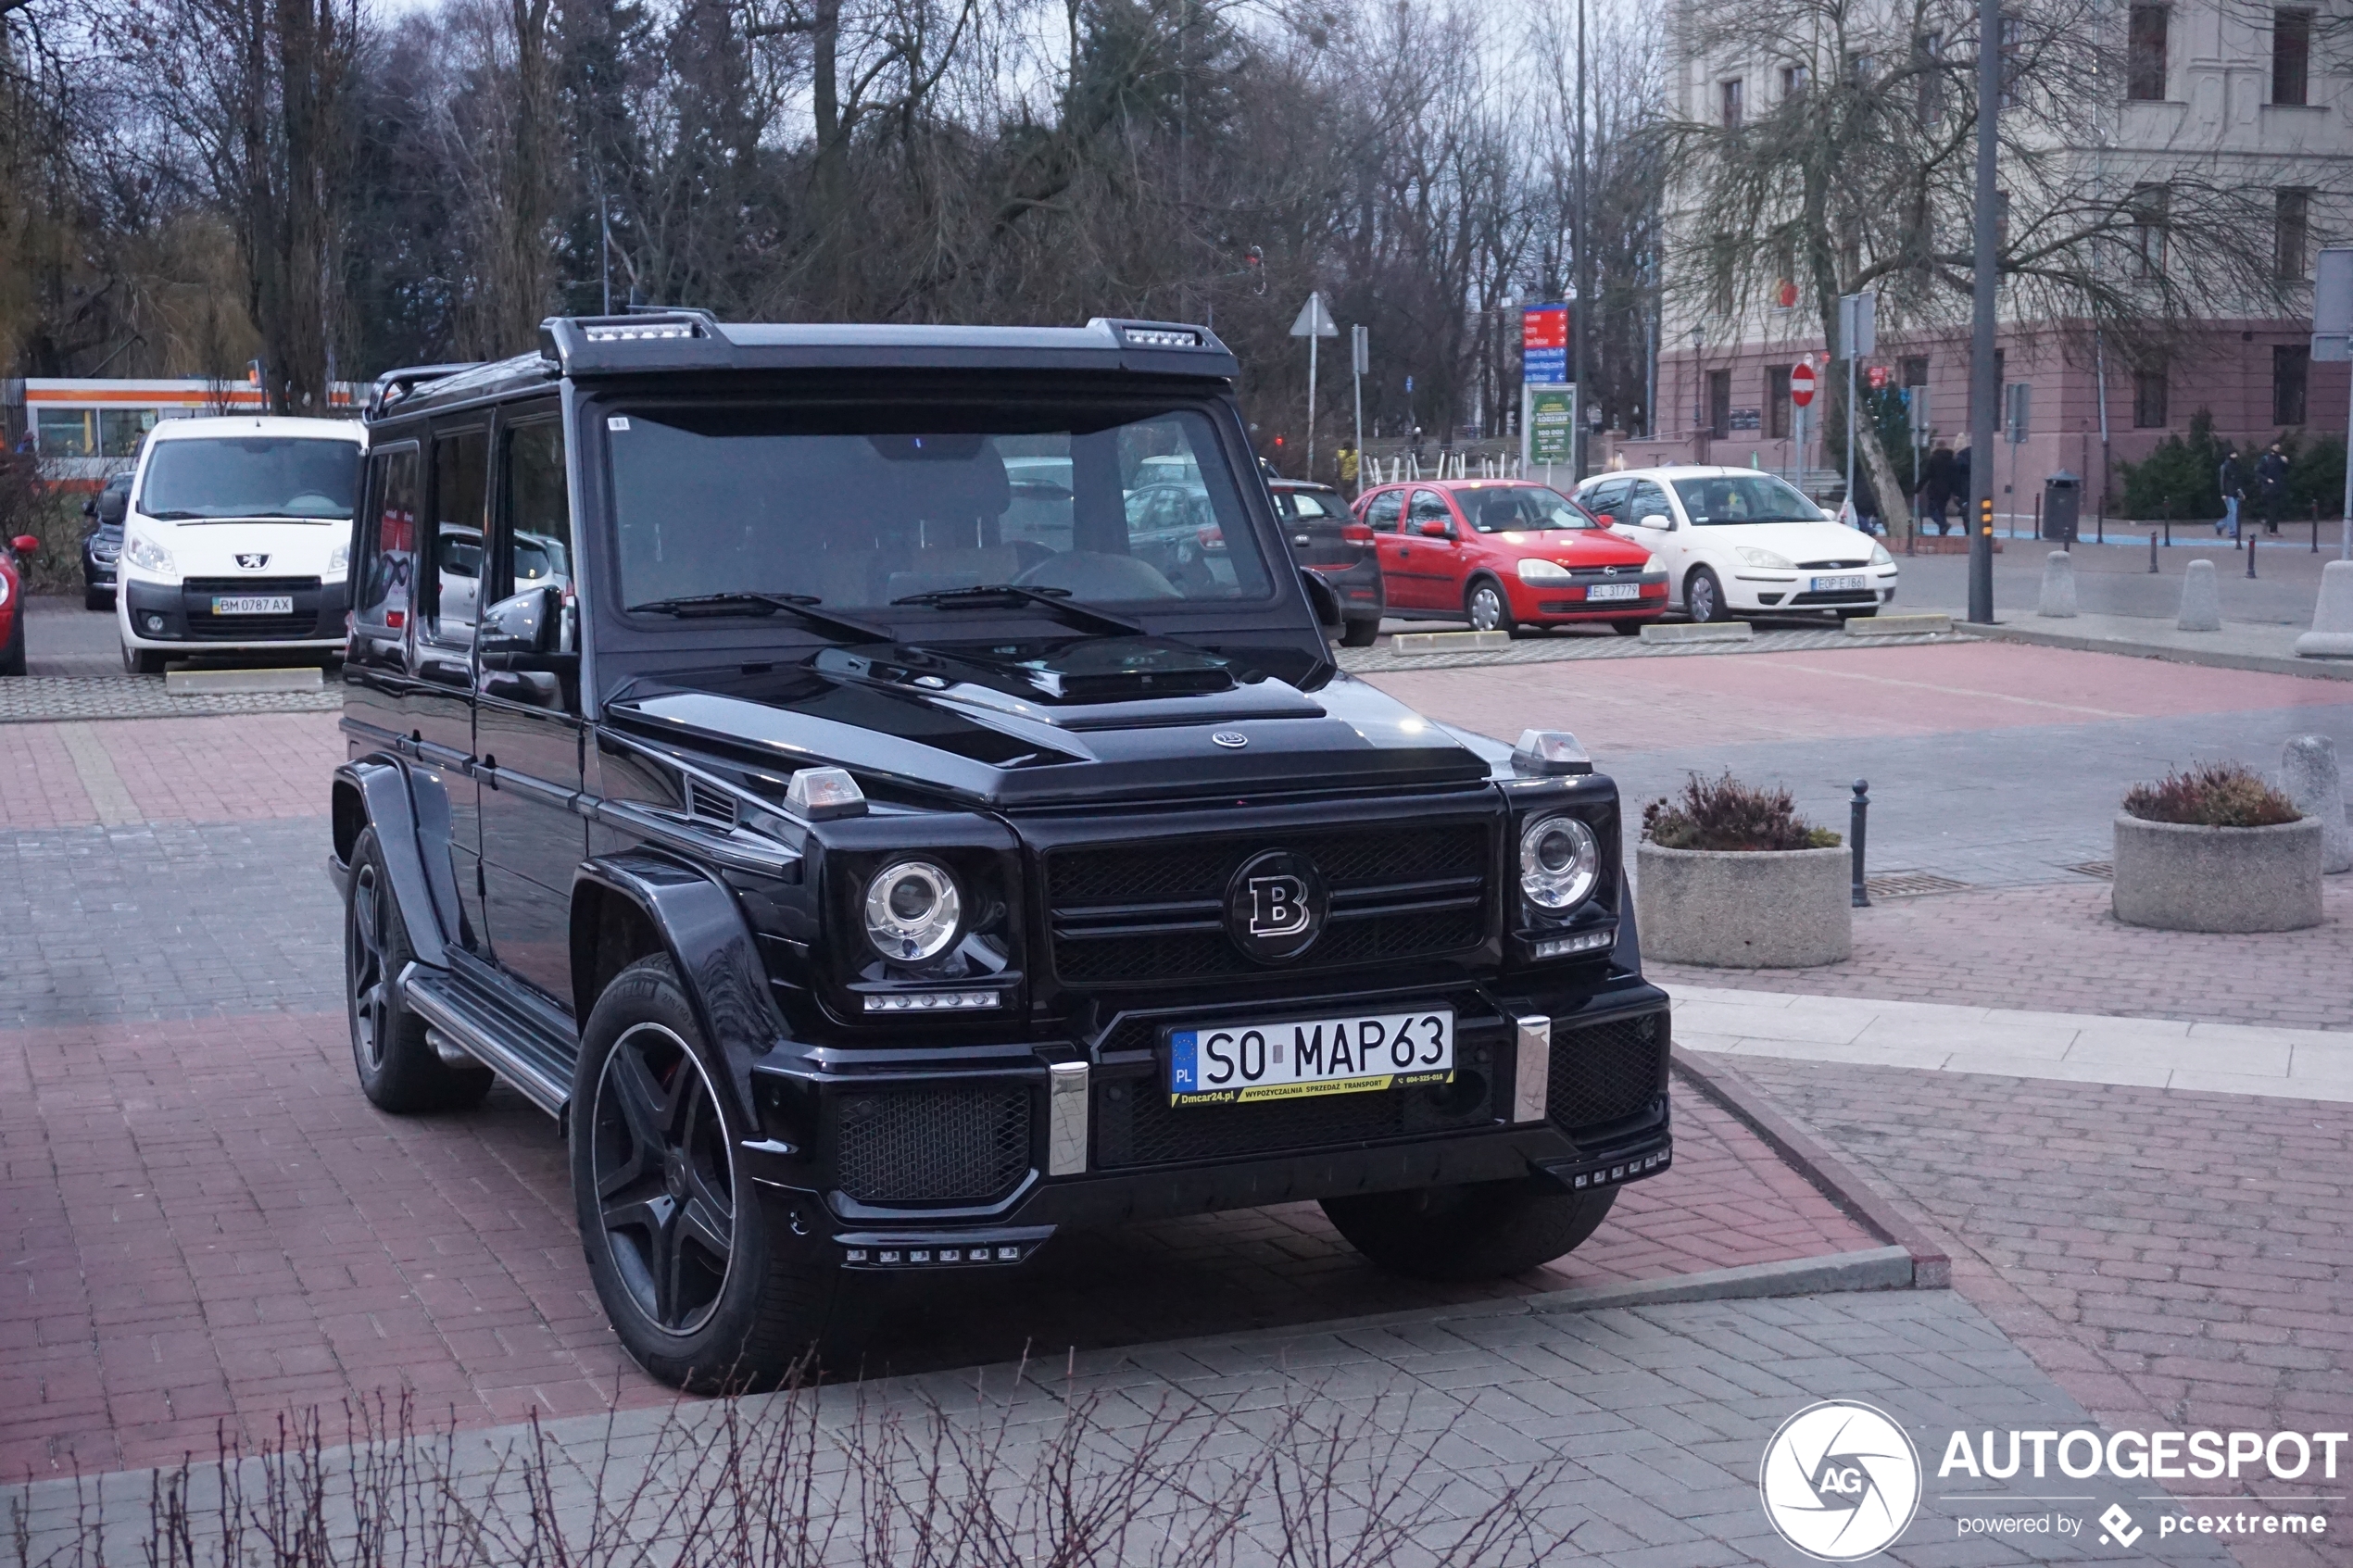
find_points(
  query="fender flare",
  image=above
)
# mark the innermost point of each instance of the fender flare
(408, 814)
(697, 923)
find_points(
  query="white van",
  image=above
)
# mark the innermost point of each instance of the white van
(237, 539)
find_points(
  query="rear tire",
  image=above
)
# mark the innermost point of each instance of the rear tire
(1359, 633)
(1488, 607)
(1703, 596)
(698, 1272)
(1474, 1231)
(12, 656)
(400, 1071)
(1856, 614)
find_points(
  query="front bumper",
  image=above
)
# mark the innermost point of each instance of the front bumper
(1793, 592)
(178, 615)
(1567, 1087)
(1571, 602)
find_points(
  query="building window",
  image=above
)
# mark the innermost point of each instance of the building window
(2291, 57)
(2292, 232)
(1792, 83)
(2148, 396)
(2144, 55)
(1928, 56)
(2013, 57)
(1719, 404)
(2291, 365)
(1777, 401)
(1732, 96)
(2148, 208)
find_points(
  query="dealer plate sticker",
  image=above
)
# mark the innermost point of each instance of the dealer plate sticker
(1615, 590)
(281, 604)
(1292, 1059)
(1840, 584)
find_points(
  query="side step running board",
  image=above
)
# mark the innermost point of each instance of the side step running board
(505, 1037)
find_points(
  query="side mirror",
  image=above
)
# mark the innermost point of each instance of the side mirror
(1324, 597)
(1607, 519)
(1431, 528)
(524, 630)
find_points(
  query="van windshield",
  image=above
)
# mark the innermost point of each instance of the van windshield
(251, 476)
(1103, 504)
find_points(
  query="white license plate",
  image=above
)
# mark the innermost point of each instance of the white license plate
(1615, 590)
(1226, 1063)
(255, 603)
(1840, 584)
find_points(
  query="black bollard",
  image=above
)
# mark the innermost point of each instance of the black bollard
(2316, 528)
(1858, 820)
(2250, 555)
(2152, 552)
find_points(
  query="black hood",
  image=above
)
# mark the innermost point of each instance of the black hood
(1051, 722)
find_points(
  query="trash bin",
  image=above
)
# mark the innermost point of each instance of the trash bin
(2062, 503)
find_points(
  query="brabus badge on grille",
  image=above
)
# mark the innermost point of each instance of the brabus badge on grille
(253, 562)
(1232, 740)
(1275, 905)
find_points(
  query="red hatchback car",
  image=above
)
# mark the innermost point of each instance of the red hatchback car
(1503, 553)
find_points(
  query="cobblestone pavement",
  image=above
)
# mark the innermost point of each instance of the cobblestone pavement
(48, 699)
(2057, 948)
(2169, 1256)
(1646, 1425)
(205, 1220)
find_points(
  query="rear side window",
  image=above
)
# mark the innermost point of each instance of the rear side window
(1382, 510)
(390, 565)
(461, 483)
(538, 509)
(1307, 503)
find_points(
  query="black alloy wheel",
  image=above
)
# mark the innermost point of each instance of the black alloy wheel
(399, 1070)
(1703, 596)
(665, 1180)
(710, 1284)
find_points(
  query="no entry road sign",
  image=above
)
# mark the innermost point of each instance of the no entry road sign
(1801, 384)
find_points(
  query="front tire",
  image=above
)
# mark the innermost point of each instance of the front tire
(1856, 614)
(1703, 596)
(400, 1071)
(97, 598)
(705, 1290)
(1628, 628)
(141, 662)
(1489, 608)
(1472, 1231)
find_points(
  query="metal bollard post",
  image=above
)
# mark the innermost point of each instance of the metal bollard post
(2316, 528)
(2250, 555)
(1858, 820)
(2152, 552)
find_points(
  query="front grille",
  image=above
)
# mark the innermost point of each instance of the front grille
(246, 628)
(1136, 1125)
(1603, 1072)
(932, 1144)
(207, 586)
(1144, 914)
(199, 592)
(1844, 597)
(1830, 565)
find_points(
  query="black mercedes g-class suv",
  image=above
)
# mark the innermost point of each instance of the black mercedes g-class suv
(790, 756)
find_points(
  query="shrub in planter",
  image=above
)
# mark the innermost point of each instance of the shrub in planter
(1731, 876)
(2216, 848)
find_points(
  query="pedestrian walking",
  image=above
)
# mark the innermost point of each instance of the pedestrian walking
(1936, 484)
(2233, 479)
(1347, 467)
(2271, 486)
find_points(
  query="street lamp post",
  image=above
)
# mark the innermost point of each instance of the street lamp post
(1983, 376)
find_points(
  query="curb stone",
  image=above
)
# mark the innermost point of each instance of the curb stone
(1930, 1253)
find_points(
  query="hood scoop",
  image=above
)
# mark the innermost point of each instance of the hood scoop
(1095, 684)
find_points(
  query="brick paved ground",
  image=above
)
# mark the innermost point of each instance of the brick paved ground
(205, 1220)
(2170, 1258)
(2057, 949)
(1646, 1426)
(249, 768)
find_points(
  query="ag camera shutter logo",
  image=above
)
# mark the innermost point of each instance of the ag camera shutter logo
(1841, 1481)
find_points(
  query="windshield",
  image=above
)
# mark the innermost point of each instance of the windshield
(1747, 497)
(251, 476)
(1522, 507)
(1109, 506)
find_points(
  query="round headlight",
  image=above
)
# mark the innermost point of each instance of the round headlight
(913, 910)
(1559, 863)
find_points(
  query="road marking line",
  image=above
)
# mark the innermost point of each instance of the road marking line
(108, 798)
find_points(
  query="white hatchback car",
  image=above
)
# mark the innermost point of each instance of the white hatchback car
(1737, 542)
(237, 539)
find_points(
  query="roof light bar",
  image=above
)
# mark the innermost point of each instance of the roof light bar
(1159, 337)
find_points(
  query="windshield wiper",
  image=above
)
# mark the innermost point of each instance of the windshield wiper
(1007, 594)
(801, 606)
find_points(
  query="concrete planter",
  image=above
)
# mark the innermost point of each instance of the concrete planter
(2180, 878)
(1785, 908)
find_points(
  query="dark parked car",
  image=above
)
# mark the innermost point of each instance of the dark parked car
(102, 542)
(1325, 535)
(875, 888)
